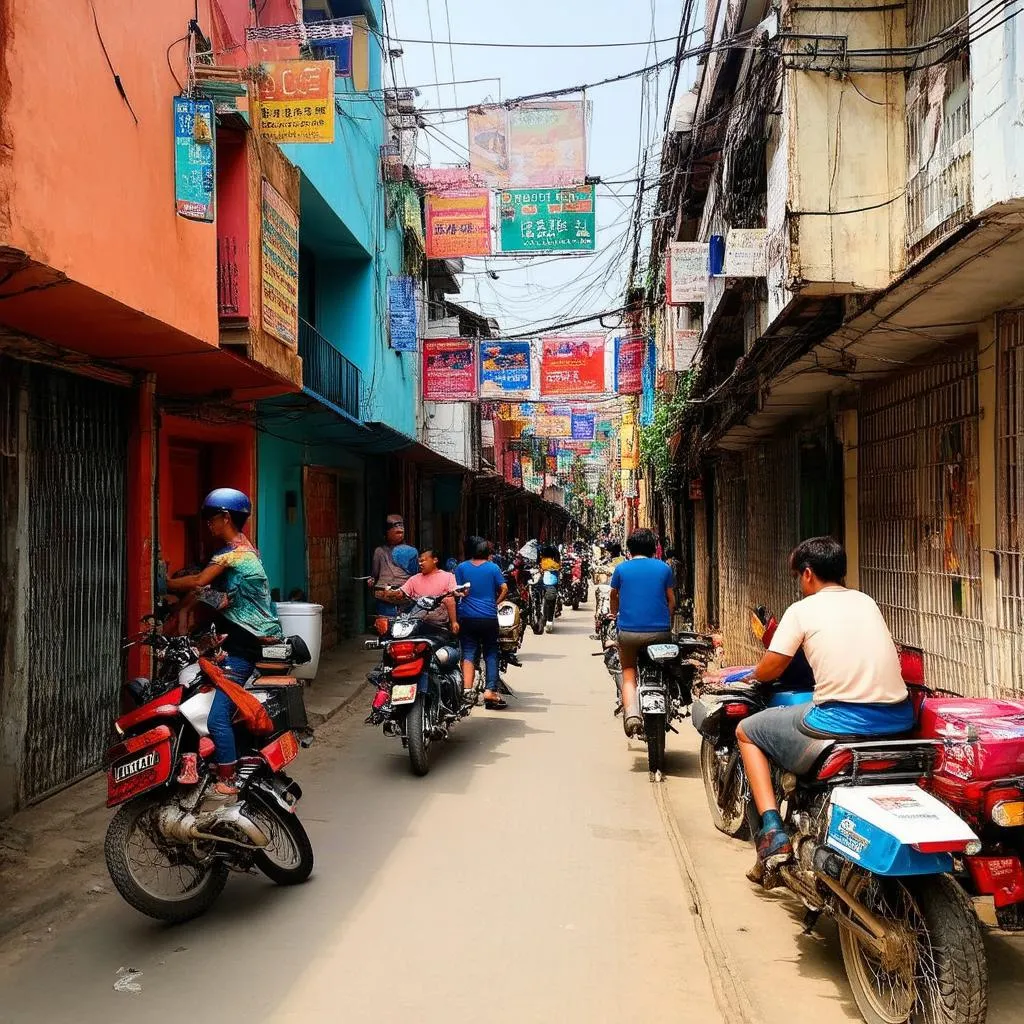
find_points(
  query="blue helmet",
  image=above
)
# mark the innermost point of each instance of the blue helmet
(227, 499)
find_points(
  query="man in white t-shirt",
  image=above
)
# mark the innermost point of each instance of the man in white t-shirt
(858, 689)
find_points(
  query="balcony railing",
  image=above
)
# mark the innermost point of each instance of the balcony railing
(326, 373)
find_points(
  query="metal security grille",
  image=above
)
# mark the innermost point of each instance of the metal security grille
(758, 527)
(76, 490)
(920, 547)
(1008, 636)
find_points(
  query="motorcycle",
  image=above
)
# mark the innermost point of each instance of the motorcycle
(511, 630)
(978, 776)
(666, 674)
(419, 680)
(172, 843)
(577, 586)
(545, 603)
(873, 850)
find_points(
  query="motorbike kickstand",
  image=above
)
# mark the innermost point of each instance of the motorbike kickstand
(810, 920)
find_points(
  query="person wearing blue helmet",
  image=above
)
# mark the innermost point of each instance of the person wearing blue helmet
(235, 584)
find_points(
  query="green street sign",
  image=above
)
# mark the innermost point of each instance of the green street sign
(547, 219)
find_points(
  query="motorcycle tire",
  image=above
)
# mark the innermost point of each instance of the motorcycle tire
(550, 611)
(957, 989)
(191, 904)
(537, 621)
(576, 603)
(654, 730)
(733, 820)
(290, 829)
(417, 732)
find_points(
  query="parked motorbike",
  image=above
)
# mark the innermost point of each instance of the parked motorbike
(419, 681)
(511, 630)
(666, 674)
(170, 846)
(873, 850)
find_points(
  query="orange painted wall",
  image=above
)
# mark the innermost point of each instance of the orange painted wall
(86, 190)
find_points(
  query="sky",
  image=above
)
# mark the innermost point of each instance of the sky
(531, 292)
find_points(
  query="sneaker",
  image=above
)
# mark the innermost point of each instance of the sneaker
(773, 847)
(549, 628)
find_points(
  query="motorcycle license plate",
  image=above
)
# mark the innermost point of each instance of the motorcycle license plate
(404, 693)
(652, 702)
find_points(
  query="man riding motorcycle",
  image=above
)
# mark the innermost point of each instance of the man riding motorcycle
(859, 689)
(240, 595)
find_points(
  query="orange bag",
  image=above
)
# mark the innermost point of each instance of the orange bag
(253, 713)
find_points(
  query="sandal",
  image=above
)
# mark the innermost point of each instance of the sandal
(496, 705)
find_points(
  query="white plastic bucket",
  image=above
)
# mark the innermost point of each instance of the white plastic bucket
(305, 620)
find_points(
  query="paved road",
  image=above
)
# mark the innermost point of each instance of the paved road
(529, 877)
(534, 876)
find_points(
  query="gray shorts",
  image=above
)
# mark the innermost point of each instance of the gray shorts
(777, 732)
(630, 644)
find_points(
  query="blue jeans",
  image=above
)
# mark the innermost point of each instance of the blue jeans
(481, 634)
(222, 733)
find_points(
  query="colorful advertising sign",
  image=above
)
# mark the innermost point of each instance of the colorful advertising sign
(552, 424)
(280, 267)
(688, 272)
(193, 158)
(296, 101)
(505, 369)
(629, 362)
(449, 369)
(572, 364)
(583, 426)
(403, 320)
(647, 376)
(547, 220)
(458, 225)
(547, 144)
(629, 439)
(488, 145)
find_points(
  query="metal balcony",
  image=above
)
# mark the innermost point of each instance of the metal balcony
(327, 374)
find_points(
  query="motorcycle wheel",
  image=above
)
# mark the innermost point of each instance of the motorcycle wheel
(536, 620)
(576, 602)
(654, 730)
(288, 859)
(550, 611)
(417, 731)
(944, 978)
(137, 856)
(732, 820)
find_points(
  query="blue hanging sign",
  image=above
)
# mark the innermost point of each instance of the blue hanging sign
(193, 158)
(403, 321)
(505, 369)
(583, 426)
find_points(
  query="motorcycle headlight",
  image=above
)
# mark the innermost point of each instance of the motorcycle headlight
(402, 629)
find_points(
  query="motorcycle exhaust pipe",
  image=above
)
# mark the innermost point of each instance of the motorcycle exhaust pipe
(224, 825)
(392, 729)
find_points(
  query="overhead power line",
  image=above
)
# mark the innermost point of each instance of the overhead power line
(539, 46)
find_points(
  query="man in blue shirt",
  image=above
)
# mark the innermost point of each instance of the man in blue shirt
(643, 599)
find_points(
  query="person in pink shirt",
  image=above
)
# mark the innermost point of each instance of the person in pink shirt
(430, 581)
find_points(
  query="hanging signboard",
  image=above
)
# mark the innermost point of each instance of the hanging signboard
(280, 266)
(547, 144)
(449, 369)
(193, 158)
(629, 361)
(547, 220)
(458, 225)
(647, 378)
(629, 442)
(403, 318)
(688, 271)
(745, 253)
(505, 370)
(488, 145)
(572, 364)
(552, 424)
(583, 424)
(296, 101)
(684, 348)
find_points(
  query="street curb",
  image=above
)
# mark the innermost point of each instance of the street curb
(12, 920)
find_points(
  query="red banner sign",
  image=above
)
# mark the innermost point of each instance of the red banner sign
(630, 366)
(572, 364)
(458, 225)
(449, 369)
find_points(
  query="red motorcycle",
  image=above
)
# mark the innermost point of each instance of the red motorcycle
(980, 775)
(173, 841)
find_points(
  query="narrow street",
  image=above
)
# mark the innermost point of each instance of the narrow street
(529, 877)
